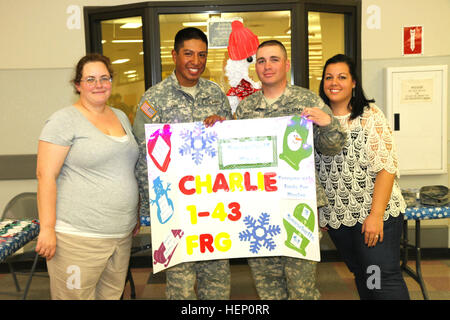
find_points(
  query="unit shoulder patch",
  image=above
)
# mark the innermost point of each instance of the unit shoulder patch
(148, 109)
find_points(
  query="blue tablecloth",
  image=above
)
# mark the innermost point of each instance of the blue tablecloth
(145, 221)
(10, 244)
(422, 212)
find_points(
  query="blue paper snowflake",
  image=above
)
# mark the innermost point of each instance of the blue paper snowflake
(260, 231)
(197, 143)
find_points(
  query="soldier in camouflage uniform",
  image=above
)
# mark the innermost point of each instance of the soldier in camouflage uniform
(285, 277)
(185, 97)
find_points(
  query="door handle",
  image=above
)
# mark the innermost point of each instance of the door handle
(396, 121)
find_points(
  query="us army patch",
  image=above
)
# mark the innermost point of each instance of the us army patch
(148, 109)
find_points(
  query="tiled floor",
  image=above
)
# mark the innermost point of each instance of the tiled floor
(334, 280)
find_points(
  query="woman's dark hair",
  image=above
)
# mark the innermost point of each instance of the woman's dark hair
(358, 102)
(90, 57)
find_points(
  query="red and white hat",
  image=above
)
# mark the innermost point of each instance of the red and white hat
(242, 42)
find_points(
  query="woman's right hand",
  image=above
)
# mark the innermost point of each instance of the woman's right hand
(317, 115)
(46, 243)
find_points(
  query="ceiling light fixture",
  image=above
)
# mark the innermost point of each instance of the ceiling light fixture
(118, 61)
(131, 25)
(195, 24)
(127, 41)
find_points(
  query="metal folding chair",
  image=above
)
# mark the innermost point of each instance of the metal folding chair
(22, 207)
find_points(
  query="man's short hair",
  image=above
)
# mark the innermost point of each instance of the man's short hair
(189, 34)
(274, 43)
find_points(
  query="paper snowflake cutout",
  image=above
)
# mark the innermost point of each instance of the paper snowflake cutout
(197, 143)
(260, 231)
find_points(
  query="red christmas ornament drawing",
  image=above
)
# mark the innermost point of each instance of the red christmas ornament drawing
(159, 147)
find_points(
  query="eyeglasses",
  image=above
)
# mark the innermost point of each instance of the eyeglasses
(92, 81)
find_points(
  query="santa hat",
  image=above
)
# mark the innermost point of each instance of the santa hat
(242, 42)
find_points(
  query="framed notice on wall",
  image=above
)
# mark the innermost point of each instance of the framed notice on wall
(219, 31)
(416, 105)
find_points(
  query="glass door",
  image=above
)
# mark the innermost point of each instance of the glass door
(326, 37)
(122, 42)
(266, 25)
(311, 33)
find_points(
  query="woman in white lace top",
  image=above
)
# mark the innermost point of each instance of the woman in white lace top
(364, 215)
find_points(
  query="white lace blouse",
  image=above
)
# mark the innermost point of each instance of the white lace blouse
(349, 177)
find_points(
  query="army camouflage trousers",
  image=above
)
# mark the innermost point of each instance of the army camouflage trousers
(281, 278)
(213, 280)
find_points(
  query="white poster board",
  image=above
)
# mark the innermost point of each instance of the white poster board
(242, 188)
(416, 105)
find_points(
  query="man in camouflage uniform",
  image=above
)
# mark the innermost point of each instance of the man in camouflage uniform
(184, 97)
(286, 277)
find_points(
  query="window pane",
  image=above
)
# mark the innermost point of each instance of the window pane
(326, 38)
(266, 25)
(122, 43)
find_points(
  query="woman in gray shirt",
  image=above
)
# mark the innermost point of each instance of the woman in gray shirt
(87, 191)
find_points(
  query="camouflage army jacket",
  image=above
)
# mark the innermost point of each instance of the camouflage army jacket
(329, 140)
(166, 102)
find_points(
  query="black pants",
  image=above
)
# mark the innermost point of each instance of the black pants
(376, 269)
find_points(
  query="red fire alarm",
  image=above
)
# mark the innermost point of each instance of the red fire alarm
(412, 40)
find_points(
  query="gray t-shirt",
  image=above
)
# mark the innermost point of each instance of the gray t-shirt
(97, 191)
